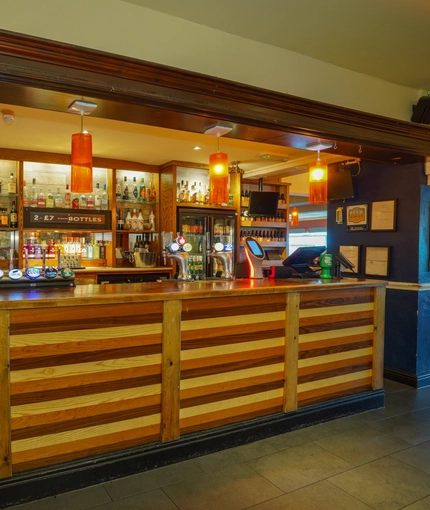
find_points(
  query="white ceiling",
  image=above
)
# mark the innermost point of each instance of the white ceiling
(389, 39)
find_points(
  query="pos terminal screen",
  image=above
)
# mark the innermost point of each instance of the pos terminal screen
(254, 247)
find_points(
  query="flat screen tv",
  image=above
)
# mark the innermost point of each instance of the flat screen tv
(340, 185)
(303, 258)
(263, 203)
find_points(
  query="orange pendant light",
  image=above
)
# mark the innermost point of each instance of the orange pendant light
(82, 163)
(294, 217)
(318, 182)
(218, 178)
(218, 169)
(82, 151)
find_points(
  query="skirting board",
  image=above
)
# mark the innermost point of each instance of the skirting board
(414, 380)
(42, 483)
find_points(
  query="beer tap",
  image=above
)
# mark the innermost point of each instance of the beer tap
(175, 250)
(223, 253)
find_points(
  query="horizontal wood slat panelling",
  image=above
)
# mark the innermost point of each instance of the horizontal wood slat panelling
(336, 331)
(232, 360)
(84, 381)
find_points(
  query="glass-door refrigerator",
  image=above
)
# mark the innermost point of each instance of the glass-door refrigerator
(200, 227)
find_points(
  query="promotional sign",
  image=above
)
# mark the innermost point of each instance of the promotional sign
(67, 218)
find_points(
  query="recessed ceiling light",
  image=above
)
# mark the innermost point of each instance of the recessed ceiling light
(197, 148)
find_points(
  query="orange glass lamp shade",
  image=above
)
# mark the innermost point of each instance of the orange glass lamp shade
(318, 182)
(294, 217)
(218, 178)
(82, 163)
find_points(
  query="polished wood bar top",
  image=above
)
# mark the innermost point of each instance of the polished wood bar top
(21, 298)
(121, 270)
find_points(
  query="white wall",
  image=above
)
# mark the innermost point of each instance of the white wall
(118, 27)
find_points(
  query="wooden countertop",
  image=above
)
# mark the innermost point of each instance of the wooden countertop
(120, 270)
(21, 298)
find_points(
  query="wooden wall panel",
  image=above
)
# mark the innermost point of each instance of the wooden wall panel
(336, 344)
(84, 381)
(232, 360)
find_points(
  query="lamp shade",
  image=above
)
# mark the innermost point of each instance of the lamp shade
(82, 163)
(294, 217)
(318, 182)
(218, 178)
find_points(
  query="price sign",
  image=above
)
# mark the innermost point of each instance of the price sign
(67, 218)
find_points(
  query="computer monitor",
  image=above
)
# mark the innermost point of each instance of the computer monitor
(263, 203)
(302, 259)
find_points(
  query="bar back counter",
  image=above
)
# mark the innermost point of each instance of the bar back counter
(103, 381)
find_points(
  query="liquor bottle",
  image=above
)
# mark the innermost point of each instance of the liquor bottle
(58, 199)
(49, 198)
(140, 220)
(25, 201)
(96, 250)
(135, 192)
(83, 201)
(125, 192)
(90, 201)
(182, 192)
(142, 190)
(152, 197)
(13, 221)
(102, 250)
(11, 185)
(4, 218)
(41, 199)
(97, 197)
(152, 219)
(134, 221)
(105, 199)
(118, 189)
(75, 201)
(90, 251)
(67, 197)
(33, 198)
(127, 224)
(119, 220)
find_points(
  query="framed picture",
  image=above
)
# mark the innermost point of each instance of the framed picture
(356, 218)
(377, 260)
(384, 215)
(352, 254)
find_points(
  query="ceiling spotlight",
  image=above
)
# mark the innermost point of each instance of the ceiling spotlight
(8, 116)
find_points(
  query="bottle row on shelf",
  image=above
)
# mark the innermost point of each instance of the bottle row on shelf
(195, 266)
(36, 197)
(9, 218)
(132, 219)
(195, 194)
(87, 248)
(279, 218)
(276, 236)
(143, 243)
(11, 185)
(133, 192)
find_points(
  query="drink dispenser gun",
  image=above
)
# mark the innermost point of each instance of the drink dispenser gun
(177, 250)
(223, 253)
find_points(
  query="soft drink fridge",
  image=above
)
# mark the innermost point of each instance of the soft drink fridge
(203, 229)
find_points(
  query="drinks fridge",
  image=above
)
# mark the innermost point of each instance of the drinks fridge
(202, 227)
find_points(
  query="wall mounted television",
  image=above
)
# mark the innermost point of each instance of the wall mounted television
(340, 185)
(263, 203)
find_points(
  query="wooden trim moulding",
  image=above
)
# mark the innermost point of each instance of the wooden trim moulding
(28, 61)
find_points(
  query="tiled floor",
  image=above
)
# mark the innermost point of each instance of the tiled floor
(379, 459)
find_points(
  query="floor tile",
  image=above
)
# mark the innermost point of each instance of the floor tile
(393, 386)
(411, 427)
(417, 456)
(321, 496)
(234, 488)
(151, 500)
(419, 505)
(83, 499)
(301, 436)
(141, 482)
(299, 466)
(362, 445)
(384, 484)
(232, 456)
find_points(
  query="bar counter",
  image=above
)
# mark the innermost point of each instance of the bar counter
(109, 380)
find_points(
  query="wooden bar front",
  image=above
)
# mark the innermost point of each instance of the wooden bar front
(98, 369)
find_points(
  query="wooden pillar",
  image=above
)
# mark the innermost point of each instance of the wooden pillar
(291, 351)
(171, 370)
(378, 338)
(5, 418)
